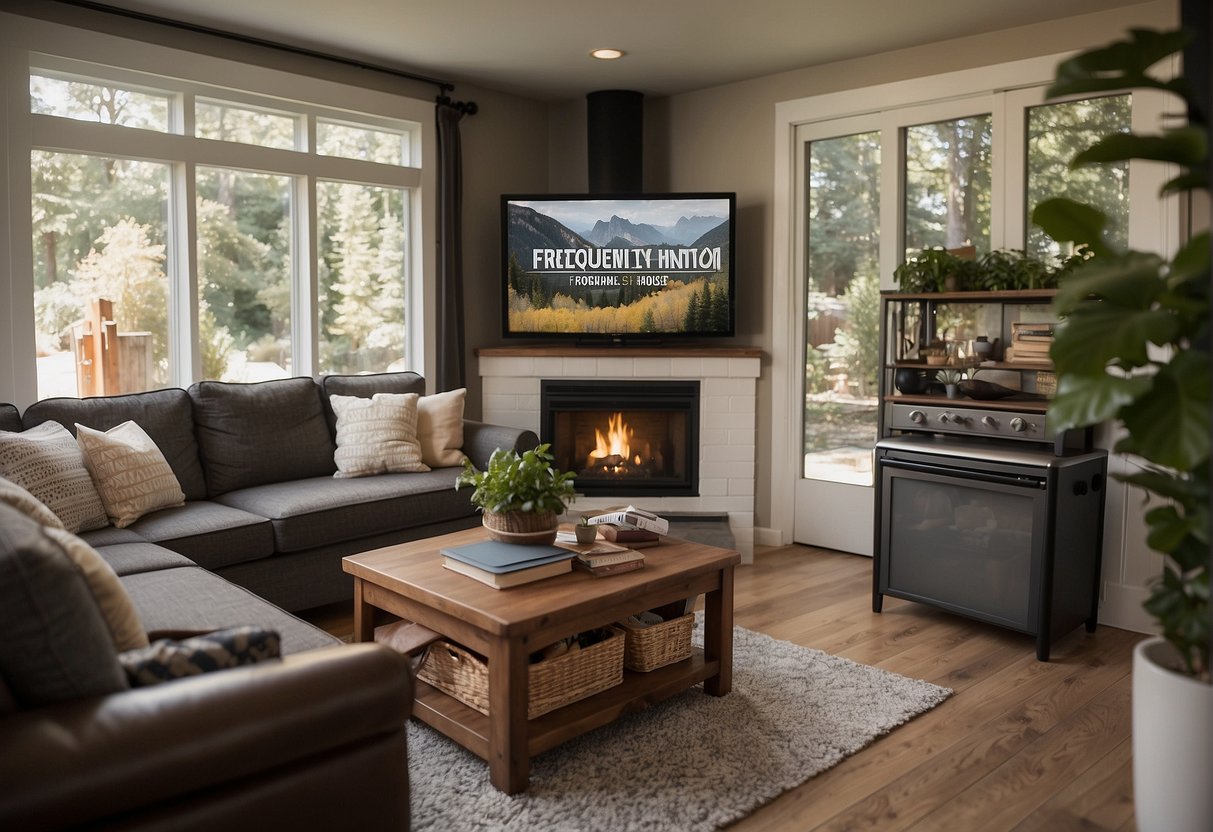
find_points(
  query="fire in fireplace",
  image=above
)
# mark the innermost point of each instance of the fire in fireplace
(624, 437)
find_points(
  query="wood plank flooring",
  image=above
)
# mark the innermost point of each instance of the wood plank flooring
(1022, 745)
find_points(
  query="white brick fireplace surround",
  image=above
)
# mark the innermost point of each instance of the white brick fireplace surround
(728, 382)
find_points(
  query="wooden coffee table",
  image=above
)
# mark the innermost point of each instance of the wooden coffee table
(409, 581)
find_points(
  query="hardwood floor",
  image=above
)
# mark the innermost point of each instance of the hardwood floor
(1021, 745)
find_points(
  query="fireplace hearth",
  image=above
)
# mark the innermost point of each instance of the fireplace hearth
(634, 438)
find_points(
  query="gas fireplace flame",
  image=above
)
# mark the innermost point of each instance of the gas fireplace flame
(613, 450)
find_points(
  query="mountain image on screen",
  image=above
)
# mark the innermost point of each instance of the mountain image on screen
(618, 266)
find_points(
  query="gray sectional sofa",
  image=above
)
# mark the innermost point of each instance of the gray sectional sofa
(314, 741)
(263, 510)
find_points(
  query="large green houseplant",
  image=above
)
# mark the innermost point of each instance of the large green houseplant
(1134, 349)
(520, 494)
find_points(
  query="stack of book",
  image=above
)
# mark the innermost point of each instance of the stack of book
(600, 557)
(1030, 343)
(502, 565)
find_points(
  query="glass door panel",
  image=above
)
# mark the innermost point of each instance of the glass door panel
(842, 307)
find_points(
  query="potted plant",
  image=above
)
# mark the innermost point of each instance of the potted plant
(950, 379)
(1134, 348)
(520, 495)
(585, 532)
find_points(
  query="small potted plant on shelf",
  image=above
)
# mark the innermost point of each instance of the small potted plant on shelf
(950, 379)
(519, 494)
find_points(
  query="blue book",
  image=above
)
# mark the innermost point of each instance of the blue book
(498, 558)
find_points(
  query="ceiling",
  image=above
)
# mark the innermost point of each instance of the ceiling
(539, 48)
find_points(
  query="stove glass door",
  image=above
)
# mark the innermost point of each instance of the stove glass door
(964, 540)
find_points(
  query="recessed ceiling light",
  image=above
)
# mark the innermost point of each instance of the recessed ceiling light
(606, 54)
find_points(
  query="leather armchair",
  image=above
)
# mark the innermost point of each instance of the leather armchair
(314, 741)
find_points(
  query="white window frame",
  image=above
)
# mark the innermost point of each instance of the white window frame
(1154, 223)
(25, 42)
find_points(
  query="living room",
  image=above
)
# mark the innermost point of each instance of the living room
(724, 135)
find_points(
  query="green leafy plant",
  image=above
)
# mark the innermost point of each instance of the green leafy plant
(527, 482)
(949, 376)
(1134, 342)
(939, 270)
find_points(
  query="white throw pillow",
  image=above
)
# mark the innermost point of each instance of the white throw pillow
(116, 606)
(46, 461)
(376, 435)
(130, 472)
(440, 428)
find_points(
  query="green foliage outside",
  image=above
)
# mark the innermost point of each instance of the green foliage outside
(100, 229)
(1134, 346)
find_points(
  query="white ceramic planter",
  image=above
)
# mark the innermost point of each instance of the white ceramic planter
(1172, 744)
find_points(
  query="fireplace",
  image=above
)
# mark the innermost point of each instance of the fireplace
(624, 438)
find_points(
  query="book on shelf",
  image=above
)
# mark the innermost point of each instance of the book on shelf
(633, 518)
(516, 577)
(1032, 332)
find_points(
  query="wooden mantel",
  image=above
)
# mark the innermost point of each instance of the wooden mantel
(608, 351)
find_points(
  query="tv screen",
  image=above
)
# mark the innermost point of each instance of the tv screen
(619, 267)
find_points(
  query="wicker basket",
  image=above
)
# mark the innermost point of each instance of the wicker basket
(553, 683)
(521, 526)
(657, 645)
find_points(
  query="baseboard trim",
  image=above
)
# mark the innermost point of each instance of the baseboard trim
(767, 537)
(1121, 606)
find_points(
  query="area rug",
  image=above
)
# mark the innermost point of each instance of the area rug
(693, 762)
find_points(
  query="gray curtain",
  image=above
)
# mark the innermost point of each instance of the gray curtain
(450, 368)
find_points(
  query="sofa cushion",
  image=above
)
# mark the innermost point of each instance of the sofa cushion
(366, 386)
(46, 462)
(166, 415)
(323, 510)
(210, 534)
(168, 659)
(115, 605)
(109, 536)
(56, 645)
(10, 417)
(191, 598)
(440, 428)
(129, 558)
(252, 434)
(131, 475)
(376, 435)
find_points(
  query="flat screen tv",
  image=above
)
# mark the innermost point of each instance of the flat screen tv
(620, 268)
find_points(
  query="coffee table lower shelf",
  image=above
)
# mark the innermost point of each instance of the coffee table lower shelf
(470, 728)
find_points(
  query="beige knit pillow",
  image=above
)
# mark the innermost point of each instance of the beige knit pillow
(440, 428)
(376, 435)
(115, 605)
(131, 474)
(46, 461)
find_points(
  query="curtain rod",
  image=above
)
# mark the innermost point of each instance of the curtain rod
(442, 85)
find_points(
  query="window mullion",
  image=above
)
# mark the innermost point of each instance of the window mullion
(185, 355)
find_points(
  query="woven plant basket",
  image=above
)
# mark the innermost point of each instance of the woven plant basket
(657, 645)
(553, 683)
(521, 526)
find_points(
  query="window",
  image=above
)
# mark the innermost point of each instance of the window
(230, 226)
(100, 232)
(947, 185)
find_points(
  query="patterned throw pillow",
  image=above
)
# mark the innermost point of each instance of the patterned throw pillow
(116, 606)
(131, 474)
(29, 505)
(46, 461)
(440, 428)
(165, 659)
(376, 435)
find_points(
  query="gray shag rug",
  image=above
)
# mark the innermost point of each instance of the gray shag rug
(693, 762)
